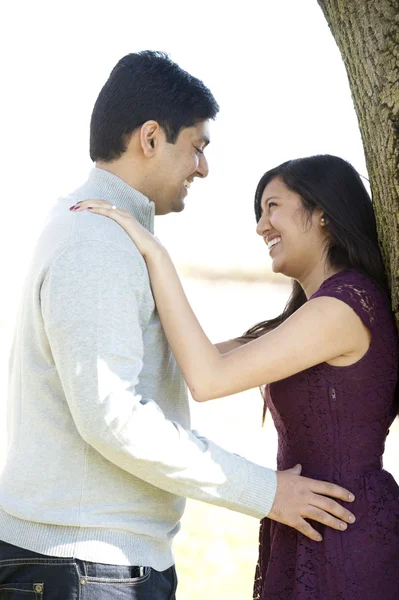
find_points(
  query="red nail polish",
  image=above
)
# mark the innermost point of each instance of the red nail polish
(72, 207)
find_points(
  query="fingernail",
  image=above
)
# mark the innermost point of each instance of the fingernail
(351, 497)
(319, 538)
(72, 207)
(352, 518)
(343, 525)
(90, 208)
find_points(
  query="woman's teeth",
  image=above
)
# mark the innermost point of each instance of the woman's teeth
(273, 242)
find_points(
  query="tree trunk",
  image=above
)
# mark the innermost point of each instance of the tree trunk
(367, 35)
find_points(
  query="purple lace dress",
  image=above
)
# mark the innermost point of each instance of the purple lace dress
(334, 421)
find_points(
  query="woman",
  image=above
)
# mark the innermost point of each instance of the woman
(329, 363)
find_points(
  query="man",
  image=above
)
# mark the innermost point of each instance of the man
(101, 456)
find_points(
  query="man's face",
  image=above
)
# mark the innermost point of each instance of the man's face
(177, 166)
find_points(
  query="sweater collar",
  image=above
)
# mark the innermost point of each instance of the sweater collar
(106, 186)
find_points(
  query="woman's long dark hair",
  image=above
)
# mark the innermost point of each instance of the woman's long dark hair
(333, 185)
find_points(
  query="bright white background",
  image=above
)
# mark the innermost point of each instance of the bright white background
(272, 65)
(277, 74)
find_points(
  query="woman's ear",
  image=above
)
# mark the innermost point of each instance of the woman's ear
(319, 217)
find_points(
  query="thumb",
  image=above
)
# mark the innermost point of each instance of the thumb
(297, 470)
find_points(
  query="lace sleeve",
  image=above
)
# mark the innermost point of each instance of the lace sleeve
(356, 291)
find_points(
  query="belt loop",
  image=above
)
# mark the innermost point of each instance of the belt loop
(81, 567)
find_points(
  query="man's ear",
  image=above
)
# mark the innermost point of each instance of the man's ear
(150, 134)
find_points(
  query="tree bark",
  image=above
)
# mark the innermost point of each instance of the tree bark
(367, 35)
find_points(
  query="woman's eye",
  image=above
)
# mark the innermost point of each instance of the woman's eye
(272, 204)
(199, 150)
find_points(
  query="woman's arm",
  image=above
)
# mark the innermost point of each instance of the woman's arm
(225, 347)
(321, 330)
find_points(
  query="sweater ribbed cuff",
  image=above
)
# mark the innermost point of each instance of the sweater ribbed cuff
(260, 490)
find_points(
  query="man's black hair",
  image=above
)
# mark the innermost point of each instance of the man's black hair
(146, 86)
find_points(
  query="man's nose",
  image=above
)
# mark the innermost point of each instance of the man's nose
(202, 169)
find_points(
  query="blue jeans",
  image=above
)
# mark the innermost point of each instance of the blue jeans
(26, 575)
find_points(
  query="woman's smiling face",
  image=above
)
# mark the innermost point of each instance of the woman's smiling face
(295, 238)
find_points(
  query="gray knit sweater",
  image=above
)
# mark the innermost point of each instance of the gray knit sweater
(101, 455)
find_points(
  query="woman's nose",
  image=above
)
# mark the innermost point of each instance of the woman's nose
(263, 226)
